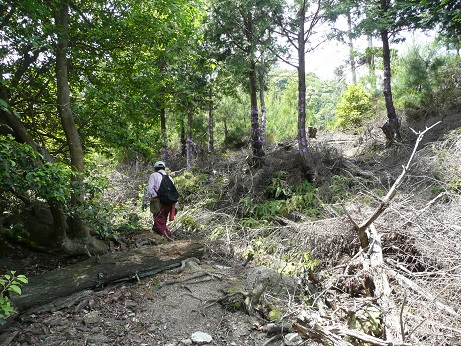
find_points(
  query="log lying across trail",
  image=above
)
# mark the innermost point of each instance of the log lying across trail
(96, 271)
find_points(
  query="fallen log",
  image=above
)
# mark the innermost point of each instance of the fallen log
(383, 291)
(98, 271)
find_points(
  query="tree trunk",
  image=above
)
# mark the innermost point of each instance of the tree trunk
(263, 110)
(302, 137)
(166, 152)
(97, 271)
(78, 230)
(210, 125)
(226, 133)
(351, 49)
(383, 290)
(190, 143)
(391, 128)
(183, 139)
(255, 129)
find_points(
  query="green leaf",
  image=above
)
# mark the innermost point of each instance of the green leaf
(3, 105)
(22, 279)
(15, 289)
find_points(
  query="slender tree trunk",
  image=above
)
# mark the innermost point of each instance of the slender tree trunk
(183, 139)
(351, 49)
(302, 137)
(190, 143)
(210, 126)
(77, 229)
(166, 151)
(263, 110)
(255, 129)
(371, 63)
(226, 132)
(387, 75)
(392, 127)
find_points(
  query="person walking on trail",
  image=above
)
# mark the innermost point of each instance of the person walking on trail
(161, 207)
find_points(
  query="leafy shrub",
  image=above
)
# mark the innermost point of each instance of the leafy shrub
(24, 175)
(341, 188)
(190, 185)
(427, 80)
(417, 79)
(9, 283)
(297, 262)
(354, 107)
(279, 187)
(286, 199)
(21, 175)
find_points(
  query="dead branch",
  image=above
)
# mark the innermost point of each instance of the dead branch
(227, 297)
(334, 334)
(364, 337)
(383, 291)
(380, 286)
(193, 264)
(423, 293)
(180, 281)
(391, 193)
(276, 328)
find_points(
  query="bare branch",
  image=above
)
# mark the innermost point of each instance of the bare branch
(393, 190)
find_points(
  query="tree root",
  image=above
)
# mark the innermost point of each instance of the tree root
(193, 264)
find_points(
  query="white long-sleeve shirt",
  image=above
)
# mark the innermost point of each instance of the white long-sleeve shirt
(153, 185)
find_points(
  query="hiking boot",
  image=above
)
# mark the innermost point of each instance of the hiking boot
(155, 230)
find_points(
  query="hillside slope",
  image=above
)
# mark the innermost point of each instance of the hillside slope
(325, 292)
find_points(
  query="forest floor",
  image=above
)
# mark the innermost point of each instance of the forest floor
(421, 232)
(138, 313)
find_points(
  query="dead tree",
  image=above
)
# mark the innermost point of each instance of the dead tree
(371, 244)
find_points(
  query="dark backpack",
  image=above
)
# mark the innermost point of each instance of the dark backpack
(167, 192)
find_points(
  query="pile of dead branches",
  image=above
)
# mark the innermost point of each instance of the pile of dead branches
(389, 272)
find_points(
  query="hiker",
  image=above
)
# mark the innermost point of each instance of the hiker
(160, 204)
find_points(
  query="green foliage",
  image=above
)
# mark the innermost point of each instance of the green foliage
(23, 174)
(341, 188)
(283, 200)
(296, 262)
(9, 283)
(279, 187)
(263, 245)
(282, 103)
(232, 120)
(190, 184)
(188, 224)
(354, 108)
(425, 80)
(367, 320)
(275, 315)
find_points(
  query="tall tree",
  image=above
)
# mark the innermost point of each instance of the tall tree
(351, 49)
(384, 19)
(297, 27)
(72, 236)
(242, 33)
(107, 61)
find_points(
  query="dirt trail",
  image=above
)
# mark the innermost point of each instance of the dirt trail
(165, 309)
